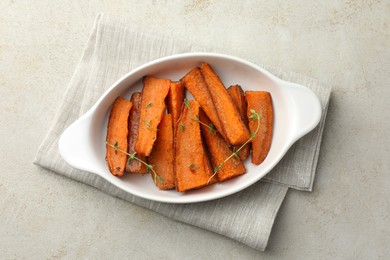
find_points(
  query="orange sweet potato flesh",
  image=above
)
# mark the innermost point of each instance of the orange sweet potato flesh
(193, 169)
(154, 93)
(135, 166)
(238, 97)
(196, 85)
(261, 102)
(233, 126)
(162, 156)
(117, 131)
(219, 151)
(175, 100)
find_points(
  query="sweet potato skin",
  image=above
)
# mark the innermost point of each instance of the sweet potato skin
(219, 151)
(239, 99)
(135, 166)
(193, 169)
(196, 85)
(152, 108)
(233, 126)
(175, 100)
(117, 132)
(162, 156)
(261, 102)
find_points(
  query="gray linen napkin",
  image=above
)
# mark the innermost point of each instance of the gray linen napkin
(113, 49)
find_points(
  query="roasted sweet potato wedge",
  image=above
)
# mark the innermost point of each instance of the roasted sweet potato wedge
(193, 169)
(219, 151)
(261, 102)
(154, 93)
(162, 156)
(117, 132)
(234, 128)
(175, 100)
(238, 97)
(196, 85)
(135, 166)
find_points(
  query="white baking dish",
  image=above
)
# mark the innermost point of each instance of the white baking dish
(297, 111)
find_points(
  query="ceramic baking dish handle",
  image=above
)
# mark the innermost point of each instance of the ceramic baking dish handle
(75, 145)
(305, 109)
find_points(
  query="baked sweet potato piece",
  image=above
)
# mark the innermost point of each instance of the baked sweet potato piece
(261, 102)
(162, 156)
(238, 97)
(175, 100)
(154, 93)
(117, 131)
(135, 166)
(219, 151)
(196, 85)
(234, 128)
(193, 169)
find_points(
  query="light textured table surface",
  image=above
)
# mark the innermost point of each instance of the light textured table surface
(342, 43)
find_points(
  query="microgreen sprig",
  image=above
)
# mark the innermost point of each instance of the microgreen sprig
(209, 126)
(186, 102)
(133, 156)
(254, 116)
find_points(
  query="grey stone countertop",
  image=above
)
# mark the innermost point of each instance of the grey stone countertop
(342, 43)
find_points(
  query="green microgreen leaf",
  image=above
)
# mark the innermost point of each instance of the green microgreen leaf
(149, 105)
(254, 115)
(149, 167)
(181, 126)
(158, 178)
(131, 157)
(148, 126)
(186, 102)
(212, 128)
(116, 147)
(193, 167)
